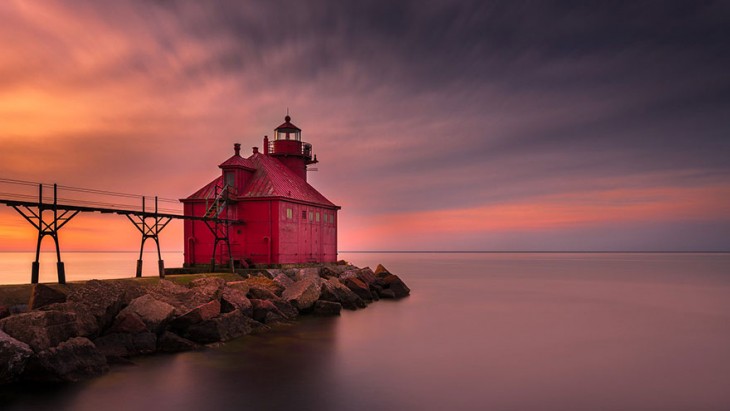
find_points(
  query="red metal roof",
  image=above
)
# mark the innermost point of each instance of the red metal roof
(238, 161)
(271, 179)
(274, 179)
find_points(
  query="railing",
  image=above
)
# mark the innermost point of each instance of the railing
(305, 149)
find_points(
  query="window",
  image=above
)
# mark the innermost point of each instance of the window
(311, 216)
(289, 213)
(317, 217)
(230, 178)
(304, 214)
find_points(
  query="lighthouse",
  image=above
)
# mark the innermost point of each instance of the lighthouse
(267, 212)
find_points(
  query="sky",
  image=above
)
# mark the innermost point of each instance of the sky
(439, 125)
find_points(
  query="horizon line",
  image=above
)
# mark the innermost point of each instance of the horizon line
(431, 251)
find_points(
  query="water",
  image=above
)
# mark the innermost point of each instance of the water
(480, 331)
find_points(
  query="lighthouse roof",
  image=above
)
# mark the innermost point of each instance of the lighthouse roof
(271, 178)
(287, 124)
(237, 161)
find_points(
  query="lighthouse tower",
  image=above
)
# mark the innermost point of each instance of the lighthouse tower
(289, 148)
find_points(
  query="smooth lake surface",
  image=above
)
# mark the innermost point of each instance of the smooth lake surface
(503, 331)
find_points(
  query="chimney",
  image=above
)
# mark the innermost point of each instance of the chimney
(266, 145)
(255, 150)
(237, 149)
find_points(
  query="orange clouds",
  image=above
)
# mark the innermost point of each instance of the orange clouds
(557, 211)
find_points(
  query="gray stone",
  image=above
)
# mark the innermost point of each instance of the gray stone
(394, 284)
(210, 288)
(360, 288)
(387, 293)
(72, 360)
(41, 330)
(267, 283)
(104, 299)
(235, 299)
(42, 295)
(152, 312)
(309, 272)
(127, 322)
(285, 308)
(283, 280)
(14, 355)
(171, 342)
(122, 345)
(197, 315)
(333, 290)
(4, 311)
(87, 324)
(224, 328)
(303, 293)
(260, 293)
(326, 308)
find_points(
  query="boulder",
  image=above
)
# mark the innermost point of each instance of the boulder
(122, 345)
(224, 328)
(271, 273)
(327, 272)
(381, 271)
(171, 342)
(394, 284)
(72, 360)
(209, 288)
(309, 272)
(235, 299)
(334, 291)
(182, 298)
(86, 324)
(42, 295)
(104, 299)
(303, 293)
(239, 285)
(197, 315)
(267, 283)
(283, 280)
(265, 311)
(14, 355)
(152, 312)
(360, 288)
(386, 293)
(260, 293)
(285, 308)
(326, 308)
(41, 330)
(127, 322)
(4, 311)
(366, 275)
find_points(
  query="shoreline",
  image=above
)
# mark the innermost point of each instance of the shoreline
(75, 331)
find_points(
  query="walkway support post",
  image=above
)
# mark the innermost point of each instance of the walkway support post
(150, 225)
(35, 216)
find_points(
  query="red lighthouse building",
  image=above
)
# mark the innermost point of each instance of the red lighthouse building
(268, 212)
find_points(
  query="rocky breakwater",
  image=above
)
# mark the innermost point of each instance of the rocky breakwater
(74, 335)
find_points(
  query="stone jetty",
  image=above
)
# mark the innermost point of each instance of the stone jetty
(76, 334)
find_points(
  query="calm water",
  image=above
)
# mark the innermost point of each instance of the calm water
(480, 332)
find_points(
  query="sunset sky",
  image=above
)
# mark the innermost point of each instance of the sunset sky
(439, 125)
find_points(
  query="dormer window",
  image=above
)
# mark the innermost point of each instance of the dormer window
(230, 178)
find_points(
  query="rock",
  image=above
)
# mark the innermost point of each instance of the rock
(182, 298)
(283, 280)
(18, 309)
(14, 355)
(224, 328)
(327, 272)
(360, 288)
(72, 360)
(381, 271)
(375, 291)
(287, 310)
(235, 299)
(366, 275)
(122, 345)
(104, 299)
(333, 290)
(171, 342)
(42, 295)
(261, 293)
(264, 311)
(303, 293)
(271, 273)
(396, 285)
(386, 293)
(41, 330)
(238, 285)
(86, 324)
(210, 288)
(267, 283)
(127, 322)
(152, 312)
(197, 315)
(325, 308)
(309, 272)
(4, 311)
